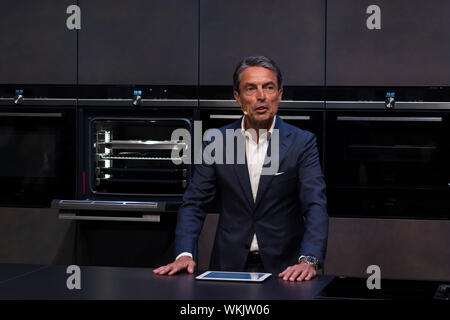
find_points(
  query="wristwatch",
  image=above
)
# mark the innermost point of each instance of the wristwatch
(311, 260)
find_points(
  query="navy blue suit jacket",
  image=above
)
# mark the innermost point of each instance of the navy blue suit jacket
(288, 216)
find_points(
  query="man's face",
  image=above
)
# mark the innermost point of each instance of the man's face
(258, 96)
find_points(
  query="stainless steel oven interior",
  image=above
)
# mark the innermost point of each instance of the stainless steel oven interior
(138, 156)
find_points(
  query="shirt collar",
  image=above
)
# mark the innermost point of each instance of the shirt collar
(263, 136)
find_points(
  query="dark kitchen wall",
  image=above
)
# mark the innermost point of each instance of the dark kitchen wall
(402, 248)
(171, 42)
(323, 43)
(410, 49)
(35, 236)
(36, 47)
(195, 42)
(290, 32)
(138, 42)
(37, 50)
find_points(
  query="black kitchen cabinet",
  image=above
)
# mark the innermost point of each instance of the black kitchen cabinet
(290, 32)
(138, 42)
(36, 45)
(410, 48)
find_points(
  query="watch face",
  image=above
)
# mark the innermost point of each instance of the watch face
(312, 260)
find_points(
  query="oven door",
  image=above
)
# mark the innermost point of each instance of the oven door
(388, 164)
(138, 156)
(216, 117)
(311, 120)
(135, 163)
(38, 152)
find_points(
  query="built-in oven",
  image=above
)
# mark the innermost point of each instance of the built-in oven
(133, 171)
(306, 115)
(38, 151)
(388, 163)
(134, 159)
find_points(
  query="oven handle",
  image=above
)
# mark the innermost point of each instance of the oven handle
(391, 119)
(225, 116)
(145, 218)
(205, 103)
(237, 116)
(295, 117)
(31, 114)
(109, 205)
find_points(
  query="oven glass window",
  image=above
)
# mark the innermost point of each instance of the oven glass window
(38, 151)
(139, 157)
(388, 163)
(26, 154)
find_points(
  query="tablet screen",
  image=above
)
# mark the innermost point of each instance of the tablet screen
(233, 276)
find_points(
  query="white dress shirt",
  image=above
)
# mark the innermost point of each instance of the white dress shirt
(255, 153)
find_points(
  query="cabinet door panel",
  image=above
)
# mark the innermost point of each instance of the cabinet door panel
(36, 45)
(412, 48)
(139, 42)
(290, 32)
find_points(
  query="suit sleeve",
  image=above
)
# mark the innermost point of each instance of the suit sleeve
(313, 201)
(192, 213)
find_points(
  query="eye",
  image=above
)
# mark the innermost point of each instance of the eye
(270, 88)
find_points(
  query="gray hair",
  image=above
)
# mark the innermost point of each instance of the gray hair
(256, 61)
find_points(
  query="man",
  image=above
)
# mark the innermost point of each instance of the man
(275, 222)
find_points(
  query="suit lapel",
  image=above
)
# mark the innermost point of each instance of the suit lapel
(265, 180)
(241, 172)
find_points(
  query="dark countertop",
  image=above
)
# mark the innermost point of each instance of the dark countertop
(49, 282)
(10, 272)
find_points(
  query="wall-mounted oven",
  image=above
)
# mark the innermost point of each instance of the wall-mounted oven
(130, 180)
(131, 160)
(388, 163)
(306, 115)
(38, 151)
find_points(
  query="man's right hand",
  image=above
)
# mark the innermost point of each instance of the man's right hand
(182, 263)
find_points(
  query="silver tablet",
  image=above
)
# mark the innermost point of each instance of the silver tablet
(233, 276)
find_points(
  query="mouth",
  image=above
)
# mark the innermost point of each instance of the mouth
(261, 109)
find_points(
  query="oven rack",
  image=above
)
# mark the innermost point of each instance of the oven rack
(143, 145)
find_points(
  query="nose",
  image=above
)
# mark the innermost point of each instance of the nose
(260, 94)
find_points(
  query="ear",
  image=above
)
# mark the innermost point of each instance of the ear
(280, 95)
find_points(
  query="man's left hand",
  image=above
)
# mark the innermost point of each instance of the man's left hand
(298, 272)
